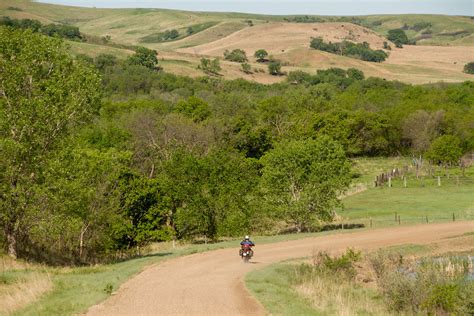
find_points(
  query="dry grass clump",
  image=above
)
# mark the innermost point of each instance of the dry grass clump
(332, 285)
(21, 283)
(22, 292)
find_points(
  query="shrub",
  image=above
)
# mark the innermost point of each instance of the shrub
(398, 37)
(346, 48)
(261, 55)
(432, 286)
(469, 68)
(343, 264)
(274, 68)
(246, 68)
(210, 66)
(237, 55)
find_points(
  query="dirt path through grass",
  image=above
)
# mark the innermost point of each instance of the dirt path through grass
(211, 283)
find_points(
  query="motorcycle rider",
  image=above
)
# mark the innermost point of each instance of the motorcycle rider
(247, 241)
(244, 242)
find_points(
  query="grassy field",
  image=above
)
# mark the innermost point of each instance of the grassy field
(422, 198)
(289, 42)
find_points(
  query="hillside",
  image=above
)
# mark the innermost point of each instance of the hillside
(286, 38)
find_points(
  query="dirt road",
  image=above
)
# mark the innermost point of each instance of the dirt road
(211, 283)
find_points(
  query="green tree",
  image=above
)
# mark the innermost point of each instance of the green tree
(274, 67)
(236, 55)
(194, 108)
(210, 66)
(469, 68)
(302, 180)
(261, 55)
(144, 57)
(44, 94)
(103, 61)
(445, 150)
(398, 37)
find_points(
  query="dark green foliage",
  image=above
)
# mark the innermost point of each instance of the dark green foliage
(209, 66)
(445, 150)
(103, 61)
(302, 180)
(261, 55)
(196, 28)
(144, 57)
(194, 108)
(398, 37)
(144, 204)
(166, 36)
(236, 55)
(469, 68)
(346, 48)
(274, 67)
(169, 156)
(45, 94)
(55, 30)
(418, 26)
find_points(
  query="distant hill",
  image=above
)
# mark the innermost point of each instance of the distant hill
(444, 43)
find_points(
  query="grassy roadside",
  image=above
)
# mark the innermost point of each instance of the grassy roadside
(74, 290)
(286, 288)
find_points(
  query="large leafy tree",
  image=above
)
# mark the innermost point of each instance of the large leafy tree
(44, 94)
(301, 180)
(144, 57)
(445, 150)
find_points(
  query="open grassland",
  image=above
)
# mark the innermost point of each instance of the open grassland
(420, 201)
(287, 41)
(444, 30)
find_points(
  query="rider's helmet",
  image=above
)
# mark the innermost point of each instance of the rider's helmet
(247, 237)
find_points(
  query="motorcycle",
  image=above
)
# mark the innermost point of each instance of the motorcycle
(246, 252)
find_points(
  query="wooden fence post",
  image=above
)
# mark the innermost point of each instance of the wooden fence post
(454, 218)
(404, 181)
(439, 181)
(389, 182)
(399, 222)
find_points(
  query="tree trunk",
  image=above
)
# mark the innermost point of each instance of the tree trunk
(11, 244)
(81, 241)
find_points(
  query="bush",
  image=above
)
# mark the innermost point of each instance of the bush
(274, 68)
(469, 68)
(210, 66)
(398, 37)
(343, 264)
(432, 286)
(246, 68)
(261, 55)
(237, 55)
(357, 50)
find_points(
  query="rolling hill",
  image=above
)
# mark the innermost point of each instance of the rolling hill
(444, 43)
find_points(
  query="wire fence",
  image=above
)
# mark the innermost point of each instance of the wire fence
(402, 219)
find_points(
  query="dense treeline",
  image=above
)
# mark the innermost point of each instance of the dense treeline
(169, 157)
(356, 50)
(59, 30)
